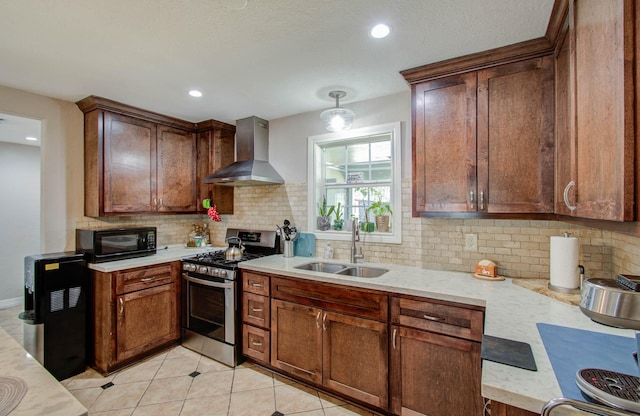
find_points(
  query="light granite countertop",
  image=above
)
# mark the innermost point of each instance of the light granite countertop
(511, 312)
(163, 255)
(45, 395)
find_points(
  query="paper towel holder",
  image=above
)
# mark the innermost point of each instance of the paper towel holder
(566, 290)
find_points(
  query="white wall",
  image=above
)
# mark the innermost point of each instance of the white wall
(19, 214)
(288, 135)
(62, 163)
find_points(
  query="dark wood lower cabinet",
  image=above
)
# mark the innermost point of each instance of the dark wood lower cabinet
(296, 340)
(344, 353)
(434, 374)
(501, 409)
(396, 354)
(145, 319)
(355, 362)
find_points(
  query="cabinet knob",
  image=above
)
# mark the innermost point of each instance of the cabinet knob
(481, 200)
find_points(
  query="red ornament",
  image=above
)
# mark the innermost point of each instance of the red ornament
(214, 214)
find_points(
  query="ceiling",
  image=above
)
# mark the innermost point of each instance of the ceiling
(270, 58)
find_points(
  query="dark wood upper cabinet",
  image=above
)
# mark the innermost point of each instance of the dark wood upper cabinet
(139, 162)
(216, 144)
(483, 141)
(515, 137)
(595, 111)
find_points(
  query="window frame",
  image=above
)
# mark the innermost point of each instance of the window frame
(316, 186)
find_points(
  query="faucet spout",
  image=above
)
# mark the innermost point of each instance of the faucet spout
(355, 236)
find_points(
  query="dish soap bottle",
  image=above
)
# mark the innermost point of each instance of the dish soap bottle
(328, 251)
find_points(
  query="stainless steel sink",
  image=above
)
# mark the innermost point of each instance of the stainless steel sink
(322, 267)
(359, 271)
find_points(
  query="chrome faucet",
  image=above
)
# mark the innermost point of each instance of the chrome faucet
(355, 236)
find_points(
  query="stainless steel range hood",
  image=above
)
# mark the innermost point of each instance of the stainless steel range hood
(251, 167)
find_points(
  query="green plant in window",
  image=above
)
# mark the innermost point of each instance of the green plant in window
(381, 211)
(338, 223)
(323, 221)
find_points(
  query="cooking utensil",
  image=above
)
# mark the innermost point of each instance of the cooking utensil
(604, 301)
(234, 252)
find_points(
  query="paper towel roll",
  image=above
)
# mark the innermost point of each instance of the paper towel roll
(563, 262)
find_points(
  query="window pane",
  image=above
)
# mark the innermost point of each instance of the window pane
(358, 153)
(381, 151)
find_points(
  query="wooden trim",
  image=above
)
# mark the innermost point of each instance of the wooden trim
(93, 102)
(213, 124)
(558, 14)
(480, 60)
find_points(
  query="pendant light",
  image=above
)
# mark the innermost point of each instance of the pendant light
(337, 119)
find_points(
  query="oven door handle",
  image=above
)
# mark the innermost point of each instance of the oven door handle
(207, 282)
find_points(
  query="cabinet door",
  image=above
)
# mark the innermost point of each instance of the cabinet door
(444, 145)
(604, 109)
(129, 164)
(515, 137)
(177, 187)
(355, 362)
(145, 319)
(215, 151)
(296, 340)
(433, 374)
(565, 117)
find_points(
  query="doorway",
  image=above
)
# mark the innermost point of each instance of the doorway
(20, 166)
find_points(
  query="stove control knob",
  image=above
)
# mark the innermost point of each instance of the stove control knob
(221, 273)
(189, 267)
(203, 269)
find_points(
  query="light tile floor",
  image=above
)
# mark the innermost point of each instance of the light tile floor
(166, 385)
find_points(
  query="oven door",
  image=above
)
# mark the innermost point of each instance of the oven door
(210, 308)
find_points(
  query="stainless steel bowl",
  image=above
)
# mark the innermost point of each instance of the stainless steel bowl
(605, 302)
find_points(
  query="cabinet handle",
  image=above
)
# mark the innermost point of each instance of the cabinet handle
(161, 203)
(155, 202)
(565, 194)
(433, 318)
(393, 337)
(256, 309)
(256, 343)
(472, 196)
(121, 306)
(148, 279)
(324, 321)
(318, 320)
(481, 200)
(254, 284)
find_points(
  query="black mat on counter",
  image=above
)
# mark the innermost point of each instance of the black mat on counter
(506, 351)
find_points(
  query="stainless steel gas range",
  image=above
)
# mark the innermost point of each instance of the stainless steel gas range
(211, 296)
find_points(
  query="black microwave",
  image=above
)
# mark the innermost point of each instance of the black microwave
(116, 244)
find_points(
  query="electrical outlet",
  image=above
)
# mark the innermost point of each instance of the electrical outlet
(471, 242)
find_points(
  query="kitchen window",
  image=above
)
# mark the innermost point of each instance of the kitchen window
(353, 170)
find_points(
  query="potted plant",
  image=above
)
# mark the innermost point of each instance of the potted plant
(381, 211)
(338, 223)
(323, 222)
(367, 226)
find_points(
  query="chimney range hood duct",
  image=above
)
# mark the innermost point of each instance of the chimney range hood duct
(251, 167)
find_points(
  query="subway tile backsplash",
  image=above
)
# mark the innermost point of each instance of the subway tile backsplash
(519, 247)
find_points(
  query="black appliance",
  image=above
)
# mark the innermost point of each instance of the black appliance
(116, 244)
(56, 292)
(211, 296)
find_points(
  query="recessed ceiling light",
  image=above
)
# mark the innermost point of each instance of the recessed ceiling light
(32, 139)
(195, 93)
(380, 31)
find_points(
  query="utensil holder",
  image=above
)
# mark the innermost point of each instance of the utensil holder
(288, 248)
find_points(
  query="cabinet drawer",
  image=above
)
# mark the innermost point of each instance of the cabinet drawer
(255, 343)
(435, 316)
(132, 280)
(360, 302)
(255, 310)
(255, 283)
